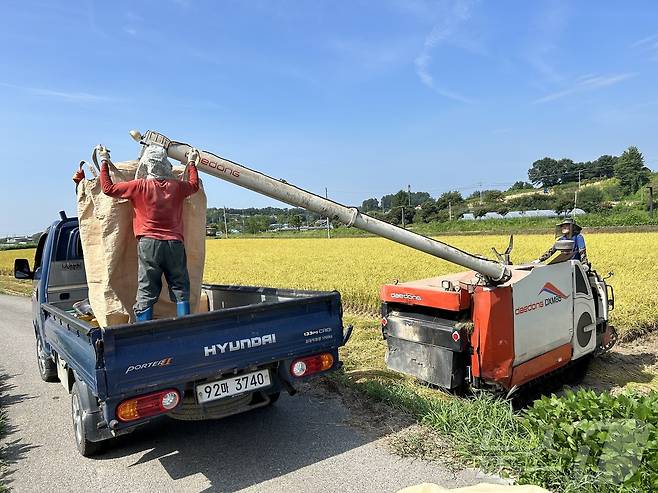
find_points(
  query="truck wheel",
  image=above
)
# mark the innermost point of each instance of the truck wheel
(85, 447)
(47, 367)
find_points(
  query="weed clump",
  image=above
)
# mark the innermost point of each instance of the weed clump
(579, 442)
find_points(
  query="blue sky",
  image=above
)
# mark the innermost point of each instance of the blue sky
(361, 97)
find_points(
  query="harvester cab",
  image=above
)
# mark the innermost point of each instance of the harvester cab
(494, 325)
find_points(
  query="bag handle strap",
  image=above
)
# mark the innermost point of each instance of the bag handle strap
(116, 170)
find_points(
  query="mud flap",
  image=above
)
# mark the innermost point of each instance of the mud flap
(92, 415)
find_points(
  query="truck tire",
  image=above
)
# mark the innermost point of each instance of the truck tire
(86, 447)
(46, 365)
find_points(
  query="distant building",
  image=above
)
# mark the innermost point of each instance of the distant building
(18, 240)
(532, 213)
(517, 214)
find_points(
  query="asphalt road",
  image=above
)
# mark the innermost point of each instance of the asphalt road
(303, 443)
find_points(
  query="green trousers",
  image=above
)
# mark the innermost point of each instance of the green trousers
(157, 258)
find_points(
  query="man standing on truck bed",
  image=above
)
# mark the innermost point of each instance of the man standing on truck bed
(157, 222)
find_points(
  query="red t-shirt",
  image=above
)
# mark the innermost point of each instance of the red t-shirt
(158, 204)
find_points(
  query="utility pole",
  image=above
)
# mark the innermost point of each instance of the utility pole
(450, 211)
(480, 184)
(650, 187)
(326, 196)
(225, 225)
(402, 215)
(579, 172)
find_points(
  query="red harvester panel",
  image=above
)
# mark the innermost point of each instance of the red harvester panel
(493, 335)
(435, 297)
(541, 365)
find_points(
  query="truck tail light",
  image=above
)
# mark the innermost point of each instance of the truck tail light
(148, 405)
(304, 367)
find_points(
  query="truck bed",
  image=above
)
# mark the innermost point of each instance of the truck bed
(246, 328)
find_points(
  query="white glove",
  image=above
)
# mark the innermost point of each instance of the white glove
(193, 156)
(535, 262)
(586, 267)
(103, 152)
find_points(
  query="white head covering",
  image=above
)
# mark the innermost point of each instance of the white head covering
(154, 164)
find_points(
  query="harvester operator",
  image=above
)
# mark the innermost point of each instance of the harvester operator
(157, 223)
(570, 231)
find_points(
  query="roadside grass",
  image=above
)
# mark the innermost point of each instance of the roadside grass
(581, 441)
(3, 426)
(9, 285)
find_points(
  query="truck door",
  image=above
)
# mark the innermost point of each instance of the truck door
(584, 315)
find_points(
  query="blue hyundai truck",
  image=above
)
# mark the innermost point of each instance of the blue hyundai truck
(253, 343)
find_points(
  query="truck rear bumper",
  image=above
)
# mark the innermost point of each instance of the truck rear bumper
(190, 410)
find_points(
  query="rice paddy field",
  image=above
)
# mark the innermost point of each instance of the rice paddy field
(358, 266)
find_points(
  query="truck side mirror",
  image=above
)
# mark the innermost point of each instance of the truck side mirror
(22, 269)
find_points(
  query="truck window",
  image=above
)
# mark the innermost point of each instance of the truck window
(39, 253)
(68, 246)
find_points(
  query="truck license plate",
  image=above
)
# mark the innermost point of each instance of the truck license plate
(232, 386)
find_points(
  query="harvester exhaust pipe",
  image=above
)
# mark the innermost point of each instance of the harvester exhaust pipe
(280, 190)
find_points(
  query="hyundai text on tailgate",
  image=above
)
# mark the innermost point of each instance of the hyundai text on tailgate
(251, 344)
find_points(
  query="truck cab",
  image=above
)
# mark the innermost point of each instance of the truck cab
(251, 343)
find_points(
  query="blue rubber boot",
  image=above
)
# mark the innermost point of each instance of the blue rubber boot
(144, 315)
(182, 308)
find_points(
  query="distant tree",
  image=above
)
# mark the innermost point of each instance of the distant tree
(474, 196)
(427, 212)
(296, 221)
(563, 203)
(547, 171)
(492, 196)
(418, 198)
(591, 198)
(446, 199)
(380, 215)
(370, 205)
(395, 215)
(387, 202)
(480, 212)
(605, 166)
(572, 170)
(530, 202)
(631, 171)
(400, 199)
(256, 224)
(520, 185)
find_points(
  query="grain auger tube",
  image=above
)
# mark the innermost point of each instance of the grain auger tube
(493, 272)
